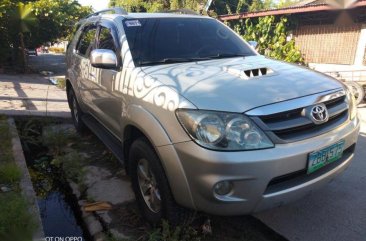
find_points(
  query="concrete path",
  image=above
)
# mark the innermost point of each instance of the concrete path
(31, 95)
(337, 212)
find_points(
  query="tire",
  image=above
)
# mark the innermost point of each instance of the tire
(357, 90)
(142, 156)
(76, 112)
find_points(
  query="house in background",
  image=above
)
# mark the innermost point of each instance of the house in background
(330, 39)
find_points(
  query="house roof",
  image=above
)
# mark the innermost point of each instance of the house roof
(307, 6)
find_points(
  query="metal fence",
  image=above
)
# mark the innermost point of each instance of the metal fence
(349, 75)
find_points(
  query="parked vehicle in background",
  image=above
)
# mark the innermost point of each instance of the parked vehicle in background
(32, 51)
(200, 120)
(355, 80)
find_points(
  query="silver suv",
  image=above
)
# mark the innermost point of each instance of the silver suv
(200, 120)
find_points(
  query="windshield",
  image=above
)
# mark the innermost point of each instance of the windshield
(171, 40)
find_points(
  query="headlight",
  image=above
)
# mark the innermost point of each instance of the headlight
(222, 131)
(351, 104)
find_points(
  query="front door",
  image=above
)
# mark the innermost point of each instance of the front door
(86, 73)
(106, 100)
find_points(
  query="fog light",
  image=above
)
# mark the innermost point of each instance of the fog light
(223, 188)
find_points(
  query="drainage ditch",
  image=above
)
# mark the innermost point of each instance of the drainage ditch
(60, 214)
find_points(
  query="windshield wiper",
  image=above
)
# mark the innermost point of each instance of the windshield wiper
(171, 61)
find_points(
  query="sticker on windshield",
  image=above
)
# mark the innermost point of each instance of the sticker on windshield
(133, 23)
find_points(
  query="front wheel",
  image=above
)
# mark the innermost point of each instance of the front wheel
(151, 186)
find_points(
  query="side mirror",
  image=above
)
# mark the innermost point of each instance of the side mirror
(103, 58)
(253, 44)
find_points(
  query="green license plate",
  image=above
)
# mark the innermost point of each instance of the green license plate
(319, 159)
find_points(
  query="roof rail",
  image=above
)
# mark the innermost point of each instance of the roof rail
(117, 10)
(181, 11)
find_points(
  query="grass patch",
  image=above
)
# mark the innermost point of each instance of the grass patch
(171, 233)
(10, 173)
(51, 143)
(16, 223)
(72, 164)
(6, 153)
(61, 83)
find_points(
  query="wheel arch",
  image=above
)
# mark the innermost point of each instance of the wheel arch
(144, 124)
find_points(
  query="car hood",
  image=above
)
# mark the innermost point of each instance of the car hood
(231, 85)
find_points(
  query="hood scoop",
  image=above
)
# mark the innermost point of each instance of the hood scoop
(249, 73)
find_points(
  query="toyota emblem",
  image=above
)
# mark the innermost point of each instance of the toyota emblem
(319, 114)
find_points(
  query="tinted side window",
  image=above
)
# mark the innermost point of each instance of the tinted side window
(106, 39)
(86, 41)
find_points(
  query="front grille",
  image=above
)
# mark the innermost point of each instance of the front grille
(293, 126)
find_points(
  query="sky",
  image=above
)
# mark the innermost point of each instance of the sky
(96, 4)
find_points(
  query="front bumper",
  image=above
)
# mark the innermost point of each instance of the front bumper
(261, 179)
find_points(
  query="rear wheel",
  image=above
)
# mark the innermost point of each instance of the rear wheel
(151, 186)
(76, 112)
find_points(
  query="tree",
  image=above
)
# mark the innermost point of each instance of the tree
(218, 7)
(21, 19)
(30, 24)
(286, 3)
(271, 33)
(156, 5)
(57, 19)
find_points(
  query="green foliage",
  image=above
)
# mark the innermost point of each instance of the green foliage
(287, 3)
(16, 223)
(6, 152)
(218, 7)
(56, 19)
(22, 17)
(170, 233)
(156, 5)
(30, 24)
(61, 83)
(10, 173)
(56, 138)
(271, 32)
(29, 132)
(72, 164)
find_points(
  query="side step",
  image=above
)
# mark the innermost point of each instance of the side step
(105, 136)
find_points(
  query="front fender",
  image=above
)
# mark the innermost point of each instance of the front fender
(159, 138)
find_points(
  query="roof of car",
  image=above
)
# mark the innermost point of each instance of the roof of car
(162, 15)
(121, 13)
(152, 15)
